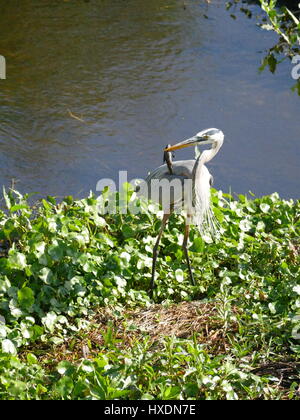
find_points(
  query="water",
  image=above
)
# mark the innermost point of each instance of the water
(140, 74)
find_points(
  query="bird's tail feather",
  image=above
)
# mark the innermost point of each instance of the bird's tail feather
(203, 215)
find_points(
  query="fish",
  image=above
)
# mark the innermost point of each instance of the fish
(168, 159)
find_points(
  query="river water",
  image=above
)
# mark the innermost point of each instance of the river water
(137, 75)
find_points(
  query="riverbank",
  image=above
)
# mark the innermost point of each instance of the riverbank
(77, 321)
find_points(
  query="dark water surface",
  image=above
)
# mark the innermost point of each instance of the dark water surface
(140, 74)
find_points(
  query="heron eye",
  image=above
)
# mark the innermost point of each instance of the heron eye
(211, 181)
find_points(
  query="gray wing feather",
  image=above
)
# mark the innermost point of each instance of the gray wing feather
(182, 169)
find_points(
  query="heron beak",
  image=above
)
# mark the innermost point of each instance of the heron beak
(186, 143)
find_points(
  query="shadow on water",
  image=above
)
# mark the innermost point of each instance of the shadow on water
(96, 87)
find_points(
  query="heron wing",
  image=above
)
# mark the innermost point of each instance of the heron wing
(181, 169)
(170, 193)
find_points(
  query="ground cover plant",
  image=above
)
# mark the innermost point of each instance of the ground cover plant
(77, 322)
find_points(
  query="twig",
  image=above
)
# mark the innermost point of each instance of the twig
(75, 116)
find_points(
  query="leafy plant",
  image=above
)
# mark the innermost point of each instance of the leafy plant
(61, 262)
(286, 24)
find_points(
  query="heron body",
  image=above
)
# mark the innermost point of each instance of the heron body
(187, 187)
(181, 170)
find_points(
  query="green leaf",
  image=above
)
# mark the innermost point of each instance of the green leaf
(40, 389)
(179, 275)
(46, 275)
(56, 251)
(26, 297)
(2, 331)
(265, 208)
(198, 245)
(17, 260)
(64, 368)
(17, 207)
(7, 199)
(31, 359)
(127, 231)
(49, 321)
(245, 225)
(296, 289)
(8, 347)
(272, 62)
(65, 386)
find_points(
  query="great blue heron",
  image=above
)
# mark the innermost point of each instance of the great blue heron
(194, 196)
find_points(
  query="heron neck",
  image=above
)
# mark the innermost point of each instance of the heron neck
(205, 157)
(208, 155)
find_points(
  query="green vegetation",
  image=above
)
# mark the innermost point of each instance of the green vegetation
(277, 17)
(283, 22)
(77, 323)
(287, 26)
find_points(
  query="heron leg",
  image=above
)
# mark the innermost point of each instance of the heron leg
(184, 246)
(155, 249)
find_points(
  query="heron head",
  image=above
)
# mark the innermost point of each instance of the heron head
(212, 136)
